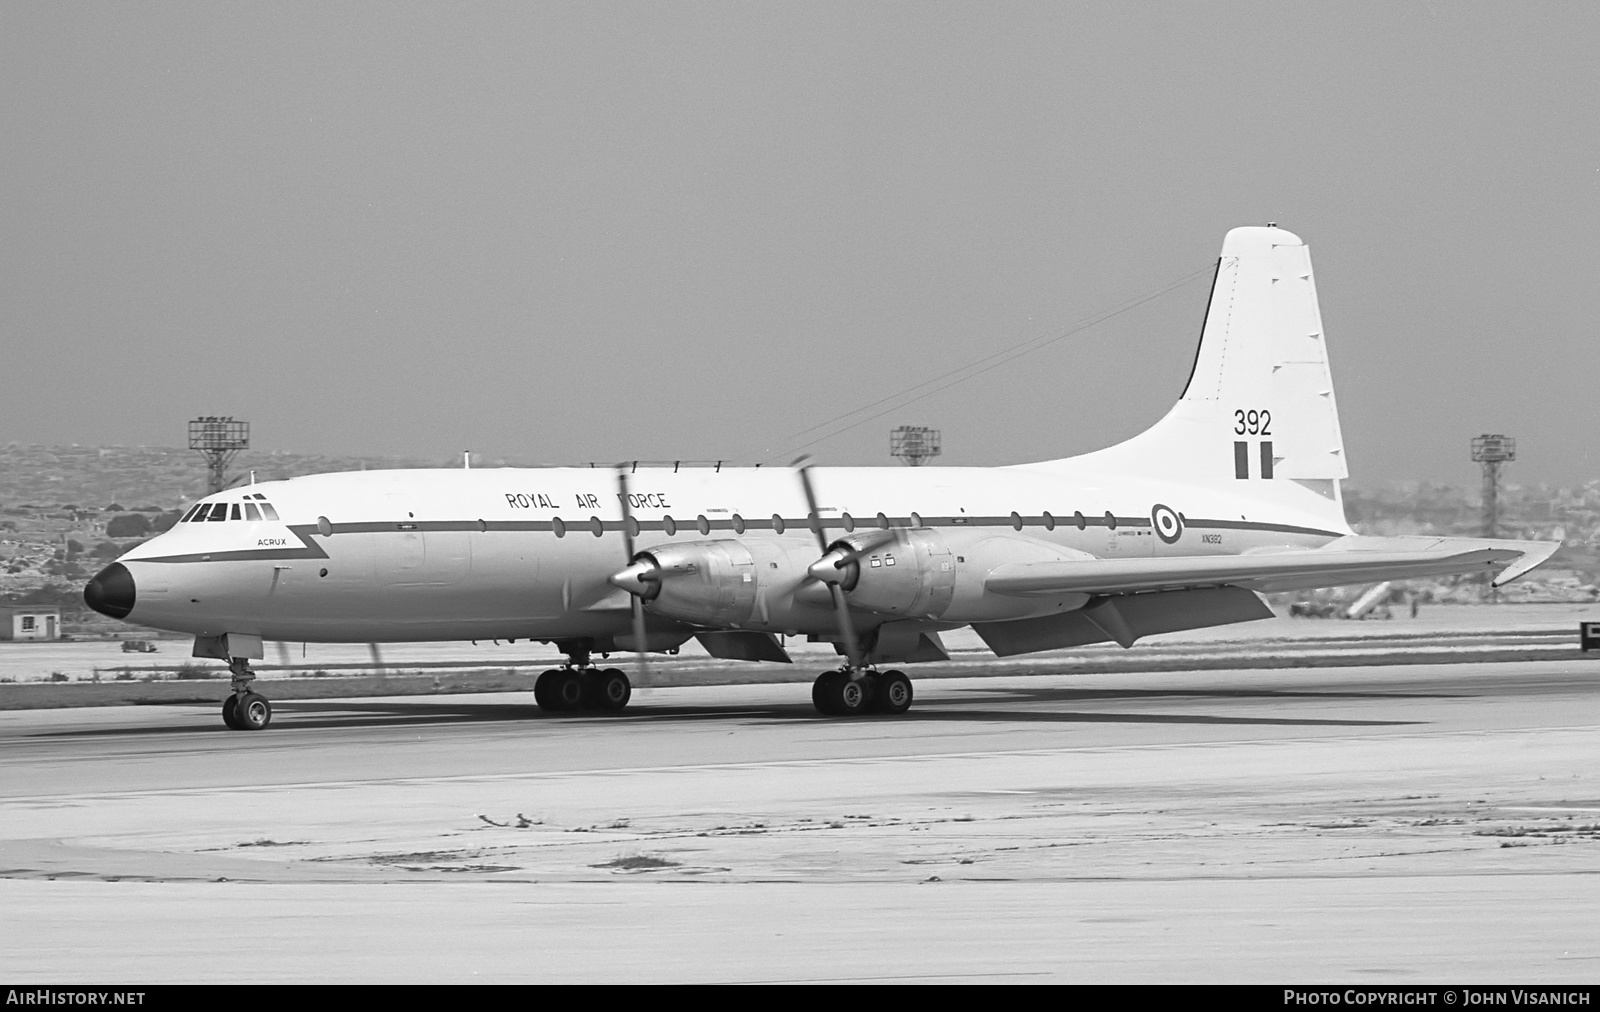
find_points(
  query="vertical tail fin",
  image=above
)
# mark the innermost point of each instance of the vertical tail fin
(1259, 403)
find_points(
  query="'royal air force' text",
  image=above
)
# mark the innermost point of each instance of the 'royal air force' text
(585, 500)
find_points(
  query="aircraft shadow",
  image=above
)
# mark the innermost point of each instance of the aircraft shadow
(1056, 695)
(312, 715)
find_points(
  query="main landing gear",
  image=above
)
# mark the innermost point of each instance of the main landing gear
(244, 710)
(851, 694)
(579, 685)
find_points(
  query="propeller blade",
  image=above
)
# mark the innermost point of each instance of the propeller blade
(841, 607)
(814, 516)
(847, 627)
(638, 579)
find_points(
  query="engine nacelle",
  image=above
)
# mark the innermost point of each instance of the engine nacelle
(752, 583)
(911, 575)
(929, 574)
(705, 582)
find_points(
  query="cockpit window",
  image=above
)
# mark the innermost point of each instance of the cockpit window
(231, 511)
(192, 511)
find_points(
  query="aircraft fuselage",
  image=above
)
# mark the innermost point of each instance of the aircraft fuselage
(513, 553)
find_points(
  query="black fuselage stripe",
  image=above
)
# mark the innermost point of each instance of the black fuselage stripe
(311, 550)
(1251, 525)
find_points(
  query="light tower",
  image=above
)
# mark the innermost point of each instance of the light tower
(1491, 450)
(914, 444)
(219, 439)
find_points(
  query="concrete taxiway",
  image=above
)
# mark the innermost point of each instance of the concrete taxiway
(1425, 823)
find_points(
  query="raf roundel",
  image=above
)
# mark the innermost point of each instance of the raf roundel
(1168, 525)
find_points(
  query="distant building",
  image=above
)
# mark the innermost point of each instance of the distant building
(30, 622)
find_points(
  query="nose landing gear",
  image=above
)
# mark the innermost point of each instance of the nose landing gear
(244, 710)
(845, 693)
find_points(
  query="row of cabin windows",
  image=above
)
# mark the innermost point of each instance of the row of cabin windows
(262, 510)
(701, 523)
(247, 510)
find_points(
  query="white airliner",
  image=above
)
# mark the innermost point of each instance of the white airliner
(1234, 492)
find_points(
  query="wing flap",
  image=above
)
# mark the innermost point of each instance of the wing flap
(1344, 561)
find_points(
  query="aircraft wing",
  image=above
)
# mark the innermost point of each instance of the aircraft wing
(1346, 560)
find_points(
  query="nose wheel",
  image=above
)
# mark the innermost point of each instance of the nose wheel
(244, 710)
(851, 694)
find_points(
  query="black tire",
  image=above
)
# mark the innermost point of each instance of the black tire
(568, 690)
(893, 693)
(853, 697)
(610, 690)
(824, 692)
(836, 694)
(544, 690)
(230, 712)
(590, 680)
(253, 712)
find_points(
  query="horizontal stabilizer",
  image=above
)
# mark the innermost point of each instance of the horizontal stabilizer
(1344, 561)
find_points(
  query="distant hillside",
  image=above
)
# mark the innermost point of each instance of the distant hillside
(88, 477)
(1535, 512)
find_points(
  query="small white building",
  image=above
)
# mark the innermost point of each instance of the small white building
(30, 622)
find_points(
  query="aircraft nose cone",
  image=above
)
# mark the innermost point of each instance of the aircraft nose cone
(111, 591)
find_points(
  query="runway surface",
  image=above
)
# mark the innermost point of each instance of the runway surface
(1425, 823)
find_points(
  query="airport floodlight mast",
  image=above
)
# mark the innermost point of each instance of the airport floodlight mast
(915, 444)
(1491, 450)
(219, 439)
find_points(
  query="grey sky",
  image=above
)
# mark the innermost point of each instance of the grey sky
(564, 232)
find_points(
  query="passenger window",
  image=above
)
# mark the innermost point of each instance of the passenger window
(849, 523)
(1016, 521)
(1049, 521)
(1111, 520)
(669, 525)
(268, 512)
(883, 522)
(558, 527)
(702, 524)
(777, 524)
(1077, 518)
(738, 524)
(597, 526)
(250, 511)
